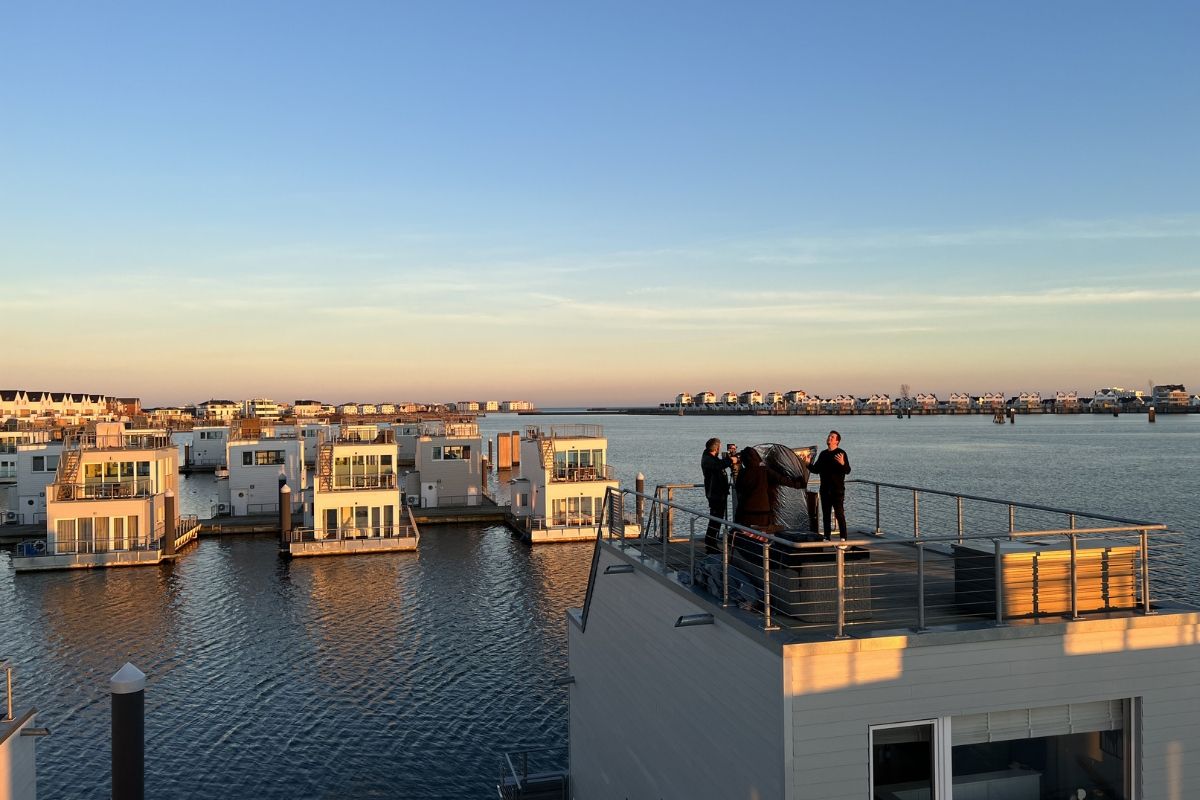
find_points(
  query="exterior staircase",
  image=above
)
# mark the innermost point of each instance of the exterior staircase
(325, 467)
(68, 471)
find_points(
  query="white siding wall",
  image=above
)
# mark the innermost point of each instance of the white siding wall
(837, 690)
(664, 712)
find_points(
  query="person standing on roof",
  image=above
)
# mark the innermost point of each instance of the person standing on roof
(833, 465)
(716, 490)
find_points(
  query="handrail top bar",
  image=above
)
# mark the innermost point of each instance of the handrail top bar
(1133, 522)
(767, 537)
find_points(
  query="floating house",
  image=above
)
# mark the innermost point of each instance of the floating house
(558, 494)
(358, 505)
(260, 458)
(447, 465)
(1045, 662)
(112, 503)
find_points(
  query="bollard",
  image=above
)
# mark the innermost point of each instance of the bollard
(285, 513)
(1150, 413)
(490, 462)
(169, 524)
(515, 446)
(640, 487)
(128, 690)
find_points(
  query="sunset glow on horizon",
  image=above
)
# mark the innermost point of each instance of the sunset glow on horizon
(598, 206)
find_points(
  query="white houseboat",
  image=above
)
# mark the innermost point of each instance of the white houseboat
(260, 457)
(112, 503)
(929, 659)
(558, 494)
(447, 465)
(357, 500)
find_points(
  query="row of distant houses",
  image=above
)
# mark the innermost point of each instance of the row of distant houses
(71, 408)
(1164, 396)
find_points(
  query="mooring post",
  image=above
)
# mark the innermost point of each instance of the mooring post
(285, 512)
(169, 532)
(128, 690)
(1150, 413)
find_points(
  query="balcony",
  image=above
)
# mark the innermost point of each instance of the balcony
(352, 482)
(563, 474)
(577, 431)
(123, 490)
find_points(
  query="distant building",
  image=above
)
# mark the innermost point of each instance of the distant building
(215, 410)
(307, 409)
(751, 398)
(513, 406)
(1170, 395)
(683, 399)
(704, 399)
(261, 408)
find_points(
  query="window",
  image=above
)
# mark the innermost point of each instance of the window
(39, 463)
(247, 458)
(903, 761)
(1053, 751)
(262, 458)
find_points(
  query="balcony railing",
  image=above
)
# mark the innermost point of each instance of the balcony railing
(351, 533)
(141, 487)
(345, 482)
(573, 431)
(90, 440)
(107, 543)
(563, 474)
(936, 558)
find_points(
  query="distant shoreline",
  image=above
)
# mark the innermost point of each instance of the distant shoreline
(734, 412)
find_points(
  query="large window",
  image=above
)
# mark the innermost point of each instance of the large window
(452, 452)
(1067, 751)
(262, 458)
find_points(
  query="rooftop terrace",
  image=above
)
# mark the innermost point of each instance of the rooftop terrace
(932, 560)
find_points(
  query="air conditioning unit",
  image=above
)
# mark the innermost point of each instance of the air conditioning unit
(10, 516)
(414, 500)
(222, 508)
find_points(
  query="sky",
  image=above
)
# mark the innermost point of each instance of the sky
(597, 203)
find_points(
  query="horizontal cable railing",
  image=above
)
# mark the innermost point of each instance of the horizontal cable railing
(109, 542)
(1002, 562)
(539, 772)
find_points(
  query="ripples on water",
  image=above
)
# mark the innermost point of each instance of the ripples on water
(403, 675)
(377, 676)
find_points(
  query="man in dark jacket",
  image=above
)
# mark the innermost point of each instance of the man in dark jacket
(716, 490)
(833, 465)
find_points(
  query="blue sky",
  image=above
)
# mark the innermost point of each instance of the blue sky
(597, 203)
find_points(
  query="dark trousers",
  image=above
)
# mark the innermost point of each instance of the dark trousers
(833, 503)
(716, 508)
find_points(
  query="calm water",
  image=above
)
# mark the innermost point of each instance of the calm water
(402, 675)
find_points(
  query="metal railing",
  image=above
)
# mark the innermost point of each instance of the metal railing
(380, 481)
(108, 543)
(117, 440)
(534, 773)
(565, 474)
(254, 509)
(991, 566)
(140, 487)
(348, 533)
(482, 498)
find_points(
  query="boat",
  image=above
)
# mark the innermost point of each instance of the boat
(930, 655)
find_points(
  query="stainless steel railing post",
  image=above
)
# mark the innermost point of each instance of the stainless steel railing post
(998, 569)
(692, 550)
(725, 541)
(1012, 518)
(916, 515)
(1074, 575)
(767, 626)
(920, 586)
(8, 671)
(959, 500)
(878, 527)
(1145, 555)
(841, 592)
